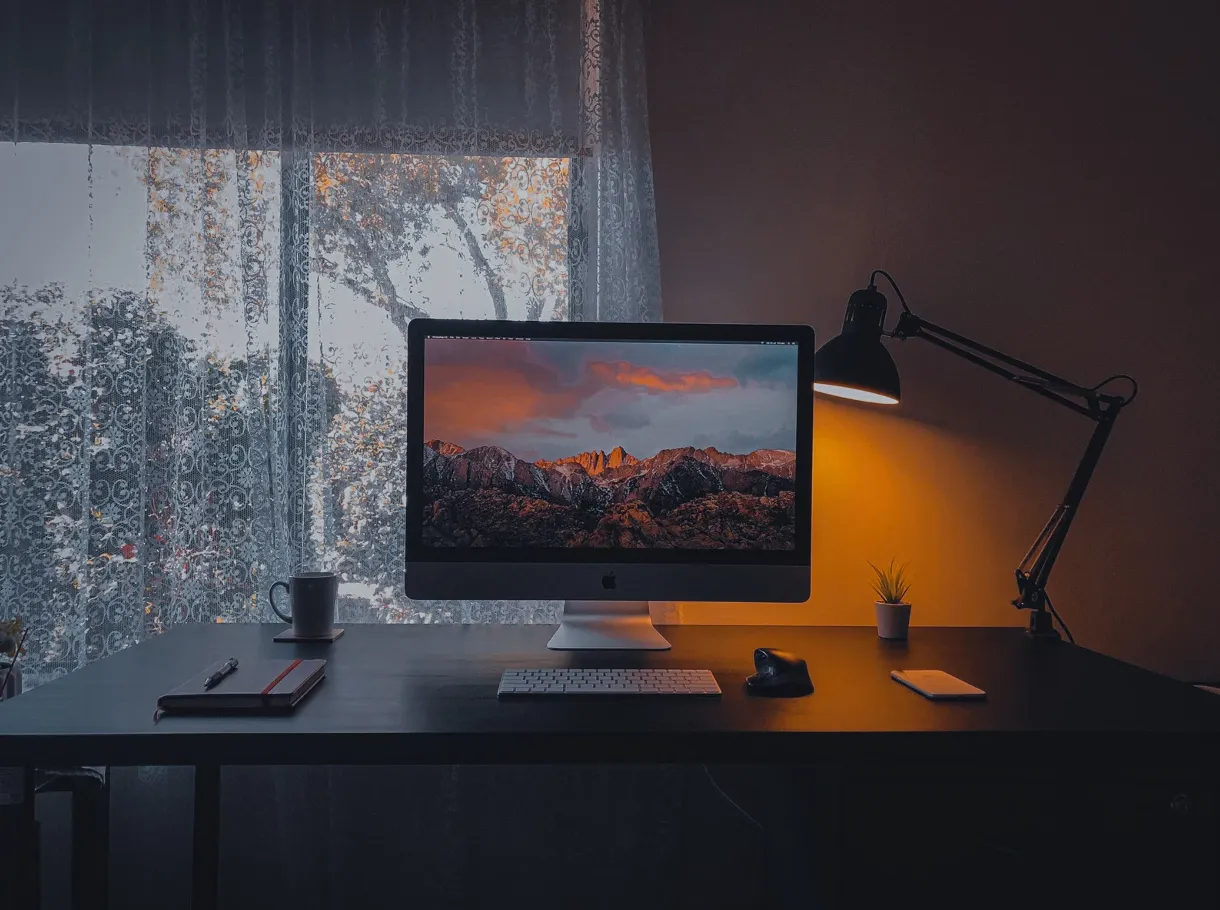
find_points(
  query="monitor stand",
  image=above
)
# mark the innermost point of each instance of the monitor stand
(607, 625)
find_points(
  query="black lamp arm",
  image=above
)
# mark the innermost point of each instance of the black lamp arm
(1080, 399)
(1036, 378)
(1034, 572)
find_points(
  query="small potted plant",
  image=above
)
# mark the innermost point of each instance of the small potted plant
(893, 611)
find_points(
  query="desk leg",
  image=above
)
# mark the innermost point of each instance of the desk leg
(807, 857)
(826, 792)
(26, 849)
(205, 862)
(91, 847)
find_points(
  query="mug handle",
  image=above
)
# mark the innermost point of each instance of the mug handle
(271, 597)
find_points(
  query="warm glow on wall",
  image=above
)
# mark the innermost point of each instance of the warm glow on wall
(886, 486)
(842, 391)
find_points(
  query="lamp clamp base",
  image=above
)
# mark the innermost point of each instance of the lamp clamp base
(1033, 598)
(1042, 625)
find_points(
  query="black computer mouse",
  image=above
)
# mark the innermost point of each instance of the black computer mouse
(781, 674)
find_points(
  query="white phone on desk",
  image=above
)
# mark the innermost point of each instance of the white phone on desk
(936, 684)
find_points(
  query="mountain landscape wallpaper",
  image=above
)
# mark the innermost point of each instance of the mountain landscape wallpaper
(566, 443)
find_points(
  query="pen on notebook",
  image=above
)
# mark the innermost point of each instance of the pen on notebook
(229, 666)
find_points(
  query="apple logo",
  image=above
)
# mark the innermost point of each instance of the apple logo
(609, 582)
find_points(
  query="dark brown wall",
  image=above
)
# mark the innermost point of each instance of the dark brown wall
(1039, 176)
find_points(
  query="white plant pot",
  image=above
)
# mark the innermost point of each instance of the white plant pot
(893, 620)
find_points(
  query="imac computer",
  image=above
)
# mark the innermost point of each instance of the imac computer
(607, 465)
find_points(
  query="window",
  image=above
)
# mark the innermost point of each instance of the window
(393, 237)
(139, 305)
(151, 313)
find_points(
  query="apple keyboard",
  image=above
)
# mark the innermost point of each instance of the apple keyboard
(572, 681)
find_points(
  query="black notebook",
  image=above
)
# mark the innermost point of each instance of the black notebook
(256, 685)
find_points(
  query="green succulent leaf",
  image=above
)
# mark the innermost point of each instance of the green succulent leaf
(891, 584)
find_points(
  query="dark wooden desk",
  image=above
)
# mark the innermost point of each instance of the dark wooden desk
(427, 694)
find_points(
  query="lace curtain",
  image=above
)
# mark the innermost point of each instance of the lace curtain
(216, 219)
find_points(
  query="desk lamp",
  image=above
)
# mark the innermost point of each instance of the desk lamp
(856, 365)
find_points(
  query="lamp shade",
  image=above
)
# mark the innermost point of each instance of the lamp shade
(855, 364)
(856, 368)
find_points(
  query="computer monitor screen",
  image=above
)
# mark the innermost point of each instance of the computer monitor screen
(568, 443)
(658, 445)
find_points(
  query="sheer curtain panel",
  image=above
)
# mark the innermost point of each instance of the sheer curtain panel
(216, 219)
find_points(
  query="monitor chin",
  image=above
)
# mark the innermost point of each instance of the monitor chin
(576, 581)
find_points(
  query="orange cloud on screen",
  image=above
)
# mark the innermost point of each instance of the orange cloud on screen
(461, 402)
(627, 375)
